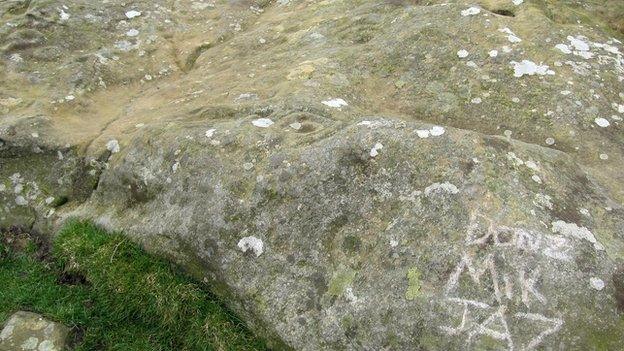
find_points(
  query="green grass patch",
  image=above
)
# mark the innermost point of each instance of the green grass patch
(114, 295)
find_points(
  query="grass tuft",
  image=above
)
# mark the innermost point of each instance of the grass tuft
(114, 295)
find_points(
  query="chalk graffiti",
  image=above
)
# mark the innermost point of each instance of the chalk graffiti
(556, 247)
(490, 261)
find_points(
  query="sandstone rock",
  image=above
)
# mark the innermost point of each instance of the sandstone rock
(30, 331)
(477, 204)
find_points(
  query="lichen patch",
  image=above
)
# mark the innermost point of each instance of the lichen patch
(251, 243)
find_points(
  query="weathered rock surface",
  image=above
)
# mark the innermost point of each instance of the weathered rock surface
(357, 175)
(29, 331)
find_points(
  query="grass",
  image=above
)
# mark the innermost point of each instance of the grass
(113, 295)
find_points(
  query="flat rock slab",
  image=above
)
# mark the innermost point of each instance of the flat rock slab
(30, 331)
(346, 175)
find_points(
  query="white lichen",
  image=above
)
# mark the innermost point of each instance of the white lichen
(251, 243)
(597, 283)
(112, 146)
(511, 36)
(436, 131)
(563, 48)
(335, 103)
(578, 43)
(21, 201)
(262, 122)
(132, 32)
(423, 133)
(375, 150)
(471, 11)
(7, 332)
(246, 96)
(462, 53)
(64, 15)
(543, 201)
(132, 14)
(30, 343)
(433, 131)
(573, 230)
(46, 345)
(517, 161)
(602, 122)
(375, 124)
(532, 165)
(349, 295)
(441, 188)
(530, 68)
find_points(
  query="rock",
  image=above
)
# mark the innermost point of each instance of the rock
(30, 331)
(302, 72)
(468, 221)
(349, 182)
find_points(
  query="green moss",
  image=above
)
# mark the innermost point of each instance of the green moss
(596, 332)
(413, 283)
(118, 295)
(392, 341)
(347, 322)
(351, 244)
(340, 281)
(609, 339)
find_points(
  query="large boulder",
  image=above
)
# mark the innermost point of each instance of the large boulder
(355, 175)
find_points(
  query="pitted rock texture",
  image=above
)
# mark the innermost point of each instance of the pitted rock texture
(29, 331)
(350, 175)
